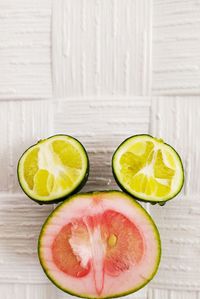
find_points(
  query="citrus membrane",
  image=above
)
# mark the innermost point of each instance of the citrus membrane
(148, 168)
(53, 168)
(99, 245)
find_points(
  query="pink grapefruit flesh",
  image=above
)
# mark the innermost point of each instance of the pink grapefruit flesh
(99, 245)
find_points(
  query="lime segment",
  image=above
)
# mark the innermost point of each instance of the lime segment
(67, 153)
(31, 167)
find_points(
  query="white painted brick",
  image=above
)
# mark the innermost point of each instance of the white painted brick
(101, 47)
(179, 226)
(176, 47)
(25, 56)
(157, 294)
(183, 295)
(29, 291)
(20, 223)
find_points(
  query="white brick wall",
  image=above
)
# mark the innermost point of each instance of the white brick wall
(100, 70)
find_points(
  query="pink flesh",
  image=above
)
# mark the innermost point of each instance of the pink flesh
(95, 231)
(63, 254)
(129, 247)
(76, 252)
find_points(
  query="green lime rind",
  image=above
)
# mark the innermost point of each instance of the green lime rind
(76, 189)
(136, 204)
(152, 200)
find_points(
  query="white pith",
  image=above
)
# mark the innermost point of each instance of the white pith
(48, 160)
(148, 170)
(84, 205)
(80, 247)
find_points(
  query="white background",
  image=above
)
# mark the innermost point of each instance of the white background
(100, 70)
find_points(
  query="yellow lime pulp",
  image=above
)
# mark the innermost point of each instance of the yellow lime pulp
(52, 167)
(147, 169)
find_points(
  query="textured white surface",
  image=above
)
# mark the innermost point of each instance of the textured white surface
(25, 60)
(95, 55)
(176, 47)
(101, 47)
(180, 234)
(20, 223)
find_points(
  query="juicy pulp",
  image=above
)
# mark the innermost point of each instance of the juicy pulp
(148, 169)
(53, 168)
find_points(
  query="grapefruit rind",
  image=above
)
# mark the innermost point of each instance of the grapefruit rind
(114, 197)
(141, 196)
(75, 181)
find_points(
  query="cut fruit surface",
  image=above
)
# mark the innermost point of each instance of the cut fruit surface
(148, 168)
(53, 169)
(99, 245)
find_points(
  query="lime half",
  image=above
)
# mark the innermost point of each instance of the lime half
(148, 169)
(54, 168)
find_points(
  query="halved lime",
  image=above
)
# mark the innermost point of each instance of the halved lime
(54, 168)
(148, 169)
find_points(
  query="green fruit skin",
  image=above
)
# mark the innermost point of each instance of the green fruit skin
(160, 202)
(76, 190)
(120, 294)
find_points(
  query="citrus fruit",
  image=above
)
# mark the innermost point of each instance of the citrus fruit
(53, 169)
(148, 169)
(99, 245)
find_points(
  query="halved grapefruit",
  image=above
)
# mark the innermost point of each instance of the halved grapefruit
(99, 245)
